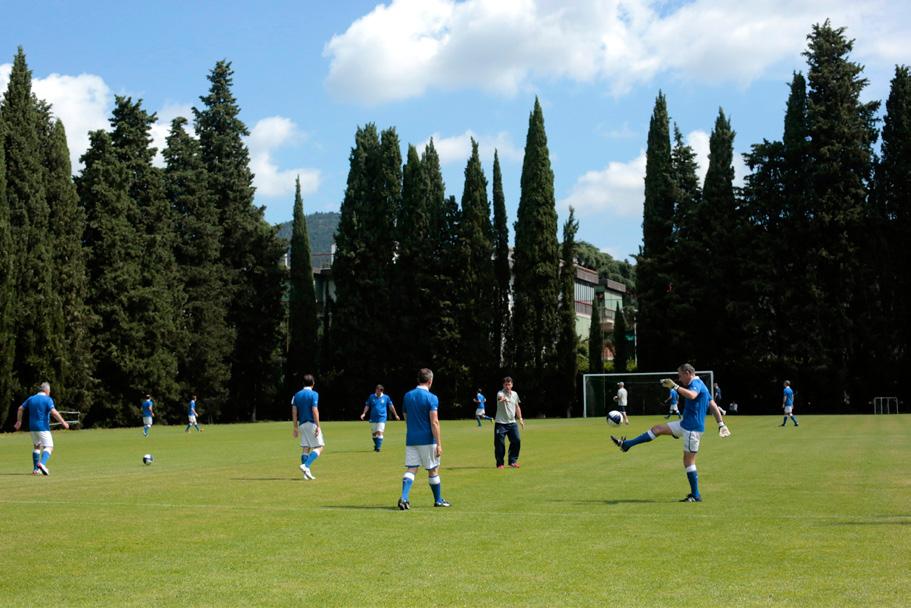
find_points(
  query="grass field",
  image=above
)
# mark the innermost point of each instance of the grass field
(814, 516)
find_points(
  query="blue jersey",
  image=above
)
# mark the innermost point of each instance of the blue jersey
(788, 395)
(305, 400)
(191, 409)
(674, 397)
(378, 406)
(417, 405)
(147, 408)
(39, 408)
(717, 393)
(481, 401)
(694, 409)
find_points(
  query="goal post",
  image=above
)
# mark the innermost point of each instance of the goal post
(885, 405)
(645, 395)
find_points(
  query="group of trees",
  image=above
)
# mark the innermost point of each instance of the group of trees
(135, 279)
(801, 274)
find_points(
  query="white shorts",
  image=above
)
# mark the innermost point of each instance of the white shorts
(788, 409)
(421, 456)
(480, 413)
(377, 427)
(307, 439)
(43, 439)
(192, 419)
(690, 438)
(147, 421)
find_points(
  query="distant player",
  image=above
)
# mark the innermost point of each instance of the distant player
(148, 412)
(377, 405)
(480, 412)
(787, 402)
(508, 410)
(697, 402)
(621, 398)
(191, 416)
(716, 395)
(672, 399)
(423, 445)
(305, 416)
(40, 408)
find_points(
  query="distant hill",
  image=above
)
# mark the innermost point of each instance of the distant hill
(321, 230)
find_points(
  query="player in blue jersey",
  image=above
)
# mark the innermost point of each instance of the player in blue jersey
(40, 408)
(305, 416)
(191, 416)
(377, 406)
(697, 402)
(787, 402)
(423, 445)
(148, 412)
(480, 412)
(672, 399)
(716, 396)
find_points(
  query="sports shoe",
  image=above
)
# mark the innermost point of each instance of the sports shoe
(306, 471)
(442, 503)
(500, 466)
(618, 441)
(404, 505)
(691, 498)
(36, 472)
(513, 465)
(43, 469)
(782, 425)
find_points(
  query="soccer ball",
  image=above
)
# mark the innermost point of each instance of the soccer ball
(147, 459)
(614, 417)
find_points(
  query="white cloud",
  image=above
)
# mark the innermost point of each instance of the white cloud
(457, 148)
(618, 190)
(407, 47)
(265, 137)
(698, 140)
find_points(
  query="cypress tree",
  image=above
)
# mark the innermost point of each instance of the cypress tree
(621, 347)
(204, 364)
(654, 269)
(250, 252)
(502, 273)
(567, 340)
(303, 332)
(596, 338)
(7, 298)
(35, 315)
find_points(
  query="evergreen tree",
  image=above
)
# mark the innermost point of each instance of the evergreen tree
(204, 365)
(596, 338)
(250, 255)
(36, 317)
(303, 332)
(621, 347)
(567, 341)
(502, 272)
(7, 298)
(655, 268)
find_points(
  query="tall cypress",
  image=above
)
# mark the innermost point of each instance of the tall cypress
(303, 332)
(7, 298)
(655, 268)
(204, 364)
(251, 252)
(596, 339)
(502, 292)
(621, 347)
(567, 340)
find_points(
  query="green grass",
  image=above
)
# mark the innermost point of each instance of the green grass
(814, 516)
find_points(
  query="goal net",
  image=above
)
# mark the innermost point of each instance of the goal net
(645, 395)
(885, 405)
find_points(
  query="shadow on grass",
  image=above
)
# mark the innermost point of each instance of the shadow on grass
(15, 474)
(872, 522)
(291, 479)
(360, 507)
(445, 468)
(616, 501)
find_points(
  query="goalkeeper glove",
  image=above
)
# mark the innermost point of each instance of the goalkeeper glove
(724, 431)
(668, 383)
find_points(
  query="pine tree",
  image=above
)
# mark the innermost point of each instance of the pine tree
(7, 298)
(303, 332)
(502, 273)
(596, 338)
(250, 254)
(621, 347)
(204, 365)
(567, 340)
(655, 268)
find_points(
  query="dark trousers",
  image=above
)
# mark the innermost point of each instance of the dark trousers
(500, 433)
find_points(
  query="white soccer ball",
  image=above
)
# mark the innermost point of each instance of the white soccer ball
(614, 417)
(147, 459)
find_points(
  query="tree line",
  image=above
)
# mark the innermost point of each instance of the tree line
(801, 274)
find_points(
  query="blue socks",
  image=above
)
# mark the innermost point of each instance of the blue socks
(310, 458)
(693, 477)
(145, 431)
(643, 438)
(435, 486)
(478, 418)
(407, 482)
(45, 456)
(35, 456)
(794, 418)
(379, 443)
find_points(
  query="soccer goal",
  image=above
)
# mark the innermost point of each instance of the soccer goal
(885, 405)
(72, 418)
(645, 395)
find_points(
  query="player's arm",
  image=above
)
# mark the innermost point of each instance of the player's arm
(435, 429)
(294, 418)
(59, 418)
(723, 430)
(19, 417)
(519, 415)
(366, 409)
(315, 411)
(683, 392)
(394, 413)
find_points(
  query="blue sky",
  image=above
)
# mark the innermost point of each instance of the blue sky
(307, 73)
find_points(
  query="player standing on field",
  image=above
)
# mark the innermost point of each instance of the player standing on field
(622, 398)
(787, 402)
(40, 408)
(148, 412)
(423, 445)
(191, 416)
(377, 404)
(716, 395)
(672, 399)
(697, 401)
(505, 425)
(305, 417)
(480, 412)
